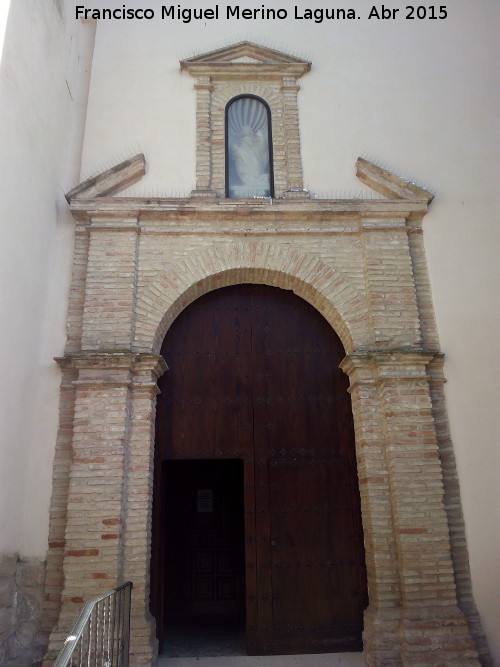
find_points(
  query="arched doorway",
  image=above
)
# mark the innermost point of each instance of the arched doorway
(256, 503)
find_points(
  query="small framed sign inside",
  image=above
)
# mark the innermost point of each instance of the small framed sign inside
(205, 501)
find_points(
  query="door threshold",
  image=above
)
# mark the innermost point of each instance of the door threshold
(312, 660)
(200, 641)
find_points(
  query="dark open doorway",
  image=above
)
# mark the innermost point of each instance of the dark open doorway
(204, 602)
(204, 551)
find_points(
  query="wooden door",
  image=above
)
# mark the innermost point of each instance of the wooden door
(254, 376)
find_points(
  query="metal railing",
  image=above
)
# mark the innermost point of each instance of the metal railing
(100, 637)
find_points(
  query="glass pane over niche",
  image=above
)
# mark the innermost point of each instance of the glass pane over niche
(248, 149)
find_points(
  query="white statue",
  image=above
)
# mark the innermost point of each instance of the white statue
(251, 158)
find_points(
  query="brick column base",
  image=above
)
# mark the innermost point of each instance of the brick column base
(430, 638)
(381, 638)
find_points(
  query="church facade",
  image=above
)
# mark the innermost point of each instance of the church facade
(251, 257)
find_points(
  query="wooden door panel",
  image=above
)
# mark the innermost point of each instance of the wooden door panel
(315, 601)
(299, 544)
(310, 600)
(208, 407)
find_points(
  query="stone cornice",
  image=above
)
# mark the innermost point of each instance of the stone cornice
(379, 365)
(231, 215)
(91, 204)
(113, 359)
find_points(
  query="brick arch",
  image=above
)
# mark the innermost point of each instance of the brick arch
(269, 93)
(228, 264)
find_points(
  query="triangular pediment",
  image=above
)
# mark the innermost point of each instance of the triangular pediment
(247, 55)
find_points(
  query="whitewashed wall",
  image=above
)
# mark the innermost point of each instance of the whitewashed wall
(43, 90)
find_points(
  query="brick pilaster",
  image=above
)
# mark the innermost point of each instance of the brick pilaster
(290, 90)
(59, 501)
(138, 506)
(203, 136)
(430, 339)
(110, 288)
(77, 289)
(390, 285)
(93, 551)
(382, 618)
(453, 507)
(433, 630)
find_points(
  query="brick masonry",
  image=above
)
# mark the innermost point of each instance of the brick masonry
(361, 263)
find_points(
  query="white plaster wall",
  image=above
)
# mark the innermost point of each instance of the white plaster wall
(417, 96)
(4, 12)
(43, 90)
